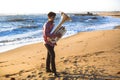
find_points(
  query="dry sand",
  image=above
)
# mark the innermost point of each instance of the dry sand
(86, 55)
(113, 14)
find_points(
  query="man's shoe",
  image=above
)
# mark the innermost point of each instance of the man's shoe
(55, 74)
(48, 71)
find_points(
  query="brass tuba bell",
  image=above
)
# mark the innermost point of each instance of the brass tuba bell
(60, 29)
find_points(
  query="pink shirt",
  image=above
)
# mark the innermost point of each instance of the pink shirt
(47, 28)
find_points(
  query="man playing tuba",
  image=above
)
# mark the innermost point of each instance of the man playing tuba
(50, 39)
(47, 28)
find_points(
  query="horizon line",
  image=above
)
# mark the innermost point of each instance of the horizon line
(56, 12)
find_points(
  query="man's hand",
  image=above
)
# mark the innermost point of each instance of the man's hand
(59, 35)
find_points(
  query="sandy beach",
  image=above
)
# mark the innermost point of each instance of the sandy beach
(87, 55)
(113, 14)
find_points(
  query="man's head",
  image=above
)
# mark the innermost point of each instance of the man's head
(51, 15)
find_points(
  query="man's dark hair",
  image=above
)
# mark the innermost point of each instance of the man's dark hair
(51, 14)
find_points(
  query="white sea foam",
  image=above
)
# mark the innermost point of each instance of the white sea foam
(14, 45)
(20, 35)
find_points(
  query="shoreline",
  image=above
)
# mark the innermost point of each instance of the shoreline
(94, 53)
(16, 46)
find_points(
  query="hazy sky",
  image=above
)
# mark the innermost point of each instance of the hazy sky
(44, 6)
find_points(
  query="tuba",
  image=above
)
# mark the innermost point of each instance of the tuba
(59, 29)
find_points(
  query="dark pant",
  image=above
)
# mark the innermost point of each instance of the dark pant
(50, 58)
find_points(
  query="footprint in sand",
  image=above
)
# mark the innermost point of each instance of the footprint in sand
(118, 72)
(12, 79)
(98, 53)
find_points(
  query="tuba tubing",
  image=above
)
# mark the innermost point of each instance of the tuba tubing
(64, 18)
(60, 29)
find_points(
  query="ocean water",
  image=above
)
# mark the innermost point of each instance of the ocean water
(19, 30)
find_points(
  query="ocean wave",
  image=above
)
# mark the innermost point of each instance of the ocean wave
(17, 30)
(12, 45)
(29, 26)
(17, 37)
(16, 20)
